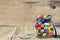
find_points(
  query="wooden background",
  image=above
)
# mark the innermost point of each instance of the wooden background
(21, 15)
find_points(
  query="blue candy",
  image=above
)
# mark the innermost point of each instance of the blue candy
(42, 31)
(46, 27)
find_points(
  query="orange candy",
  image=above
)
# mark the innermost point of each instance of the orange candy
(39, 28)
(51, 33)
(42, 25)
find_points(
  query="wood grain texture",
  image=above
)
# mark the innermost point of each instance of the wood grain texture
(22, 16)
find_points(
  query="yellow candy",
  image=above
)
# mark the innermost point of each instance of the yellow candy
(50, 31)
(36, 35)
(44, 16)
(44, 34)
(50, 27)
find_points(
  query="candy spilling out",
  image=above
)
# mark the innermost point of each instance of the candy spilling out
(44, 27)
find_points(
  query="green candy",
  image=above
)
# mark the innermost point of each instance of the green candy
(44, 34)
(36, 31)
(36, 35)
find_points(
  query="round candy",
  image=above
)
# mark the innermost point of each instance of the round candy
(36, 25)
(50, 28)
(36, 31)
(50, 31)
(41, 16)
(46, 31)
(36, 35)
(45, 28)
(39, 28)
(44, 34)
(42, 25)
(42, 31)
(44, 16)
(51, 34)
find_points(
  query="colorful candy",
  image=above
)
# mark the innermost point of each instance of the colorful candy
(51, 33)
(46, 31)
(36, 35)
(36, 31)
(44, 17)
(42, 31)
(44, 34)
(39, 28)
(41, 16)
(44, 26)
(36, 25)
(50, 28)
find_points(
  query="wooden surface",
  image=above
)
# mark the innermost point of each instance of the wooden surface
(20, 17)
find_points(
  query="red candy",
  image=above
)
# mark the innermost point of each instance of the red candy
(43, 26)
(41, 16)
(46, 31)
(36, 25)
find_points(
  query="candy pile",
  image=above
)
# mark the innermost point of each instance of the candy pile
(44, 26)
